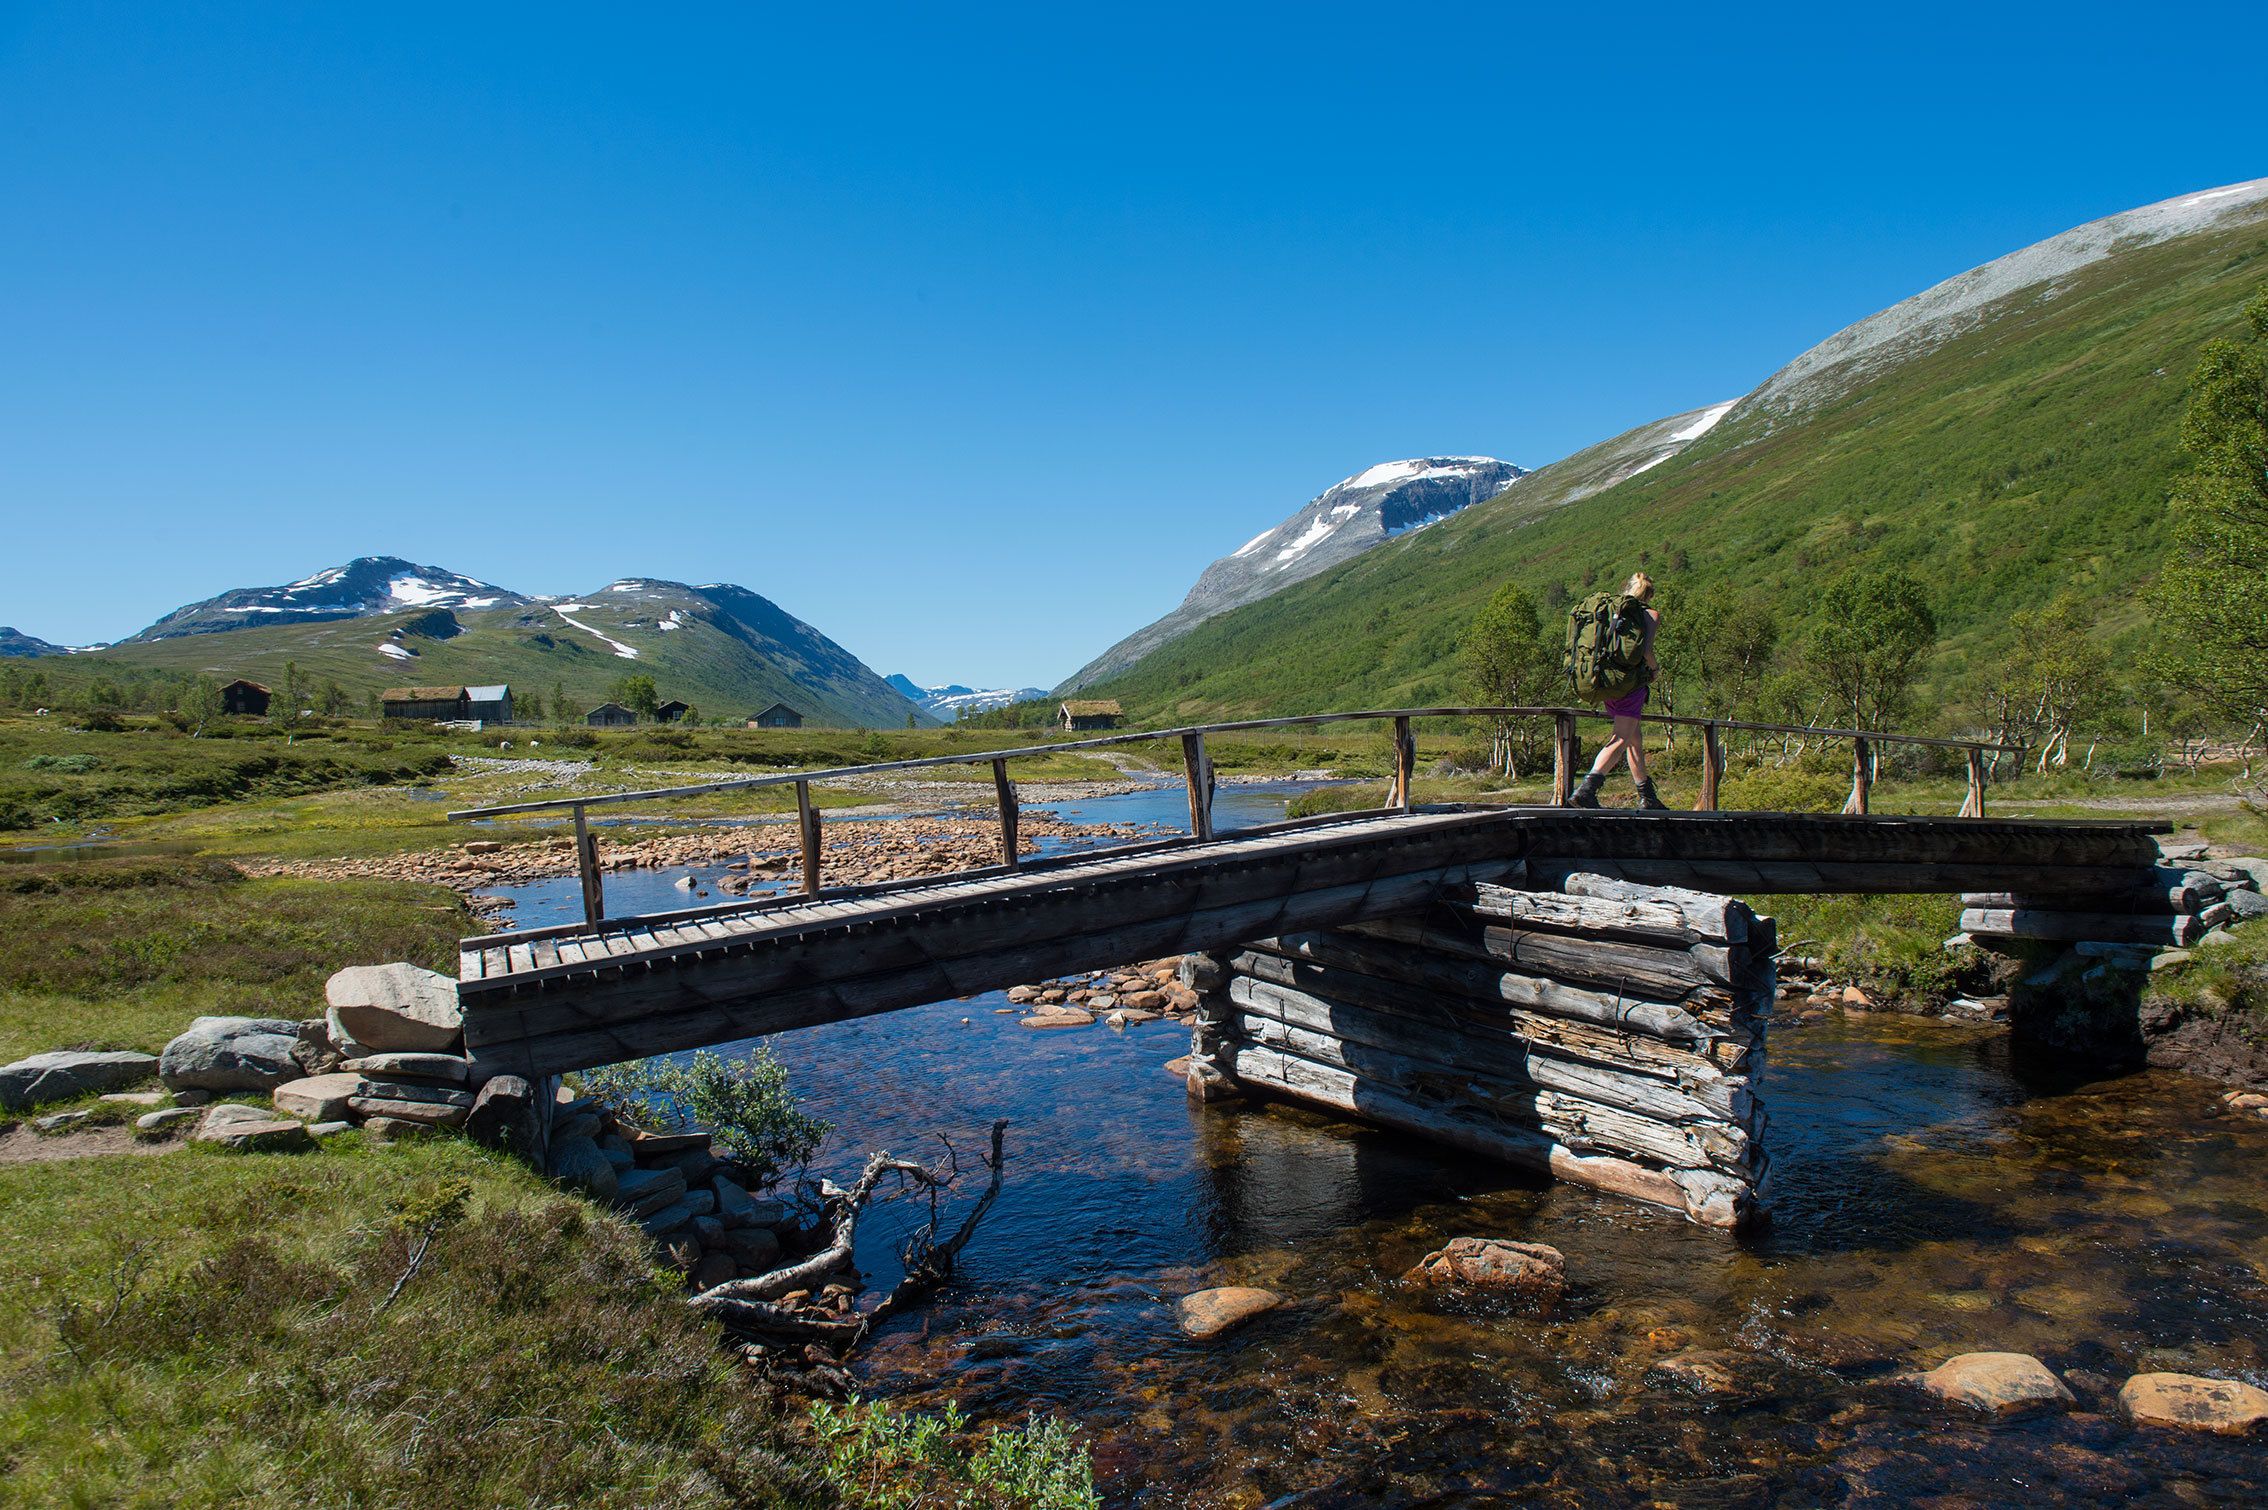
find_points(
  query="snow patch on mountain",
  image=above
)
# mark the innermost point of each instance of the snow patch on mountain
(367, 585)
(951, 700)
(627, 652)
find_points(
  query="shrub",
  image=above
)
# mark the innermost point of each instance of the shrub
(744, 1104)
(1351, 797)
(881, 1460)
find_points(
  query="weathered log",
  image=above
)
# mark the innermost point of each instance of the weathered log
(1572, 1120)
(1885, 877)
(1457, 1046)
(1705, 1196)
(1663, 974)
(2191, 894)
(2174, 929)
(1696, 1069)
(1586, 901)
(1422, 957)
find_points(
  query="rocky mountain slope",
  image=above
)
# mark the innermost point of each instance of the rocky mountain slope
(383, 622)
(363, 587)
(17, 643)
(2005, 435)
(1383, 503)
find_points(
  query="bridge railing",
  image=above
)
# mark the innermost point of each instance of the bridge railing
(1566, 754)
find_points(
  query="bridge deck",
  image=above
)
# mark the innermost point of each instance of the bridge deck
(543, 1000)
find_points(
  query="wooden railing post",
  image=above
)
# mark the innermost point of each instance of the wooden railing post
(807, 824)
(1565, 750)
(1200, 768)
(1006, 790)
(1862, 775)
(1973, 807)
(1712, 768)
(586, 866)
(1405, 763)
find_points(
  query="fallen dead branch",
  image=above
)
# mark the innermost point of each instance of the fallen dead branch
(747, 1305)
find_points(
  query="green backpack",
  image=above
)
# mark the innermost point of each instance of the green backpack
(1606, 646)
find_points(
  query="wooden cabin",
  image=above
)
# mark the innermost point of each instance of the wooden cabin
(777, 716)
(609, 716)
(1100, 714)
(443, 703)
(671, 711)
(491, 705)
(245, 699)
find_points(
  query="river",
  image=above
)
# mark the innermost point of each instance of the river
(1932, 1196)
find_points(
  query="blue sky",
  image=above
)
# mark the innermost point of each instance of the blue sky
(968, 335)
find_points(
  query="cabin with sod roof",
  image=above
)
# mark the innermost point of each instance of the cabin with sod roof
(245, 699)
(777, 716)
(609, 716)
(1099, 714)
(444, 703)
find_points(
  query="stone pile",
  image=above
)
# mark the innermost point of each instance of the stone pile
(861, 853)
(694, 1204)
(1121, 998)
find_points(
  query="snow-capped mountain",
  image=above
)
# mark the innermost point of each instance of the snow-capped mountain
(950, 701)
(364, 586)
(1380, 503)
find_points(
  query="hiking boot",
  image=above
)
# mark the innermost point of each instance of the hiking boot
(1650, 799)
(1587, 794)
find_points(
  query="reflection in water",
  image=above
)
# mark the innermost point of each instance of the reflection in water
(1929, 1201)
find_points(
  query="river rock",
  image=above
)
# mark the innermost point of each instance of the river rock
(668, 1219)
(232, 1054)
(394, 1129)
(318, 1098)
(447, 1068)
(2247, 904)
(1208, 1313)
(710, 1231)
(1059, 1017)
(58, 1076)
(577, 1163)
(393, 1009)
(249, 1129)
(133, 1098)
(1704, 1372)
(652, 1147)
(503, 1114)
(715, 1268)
(754, 1247)
(172, 1116)
(642, 1192)
(431, 1113)
(60, 1121)
(404, 1090)
(2000, 1383)
(2198, 1404)
(1530, 1272)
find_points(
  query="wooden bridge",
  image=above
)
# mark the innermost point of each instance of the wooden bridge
(540, 1001)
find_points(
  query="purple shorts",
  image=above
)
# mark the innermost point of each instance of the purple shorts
(1629, 705)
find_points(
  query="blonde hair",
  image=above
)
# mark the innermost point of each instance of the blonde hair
(1640, 586)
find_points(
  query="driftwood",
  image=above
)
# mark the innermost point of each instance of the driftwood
(745, 1305)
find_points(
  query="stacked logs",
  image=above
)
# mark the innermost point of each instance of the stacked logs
(1606, 1033)
(2167, 909)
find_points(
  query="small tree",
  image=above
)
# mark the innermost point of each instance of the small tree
(1505, 662)
(2212, 616)
(637, 694)
(743, 1103)
(2056, 677)
(201, 703)
(1719, 643)
(1870, 635)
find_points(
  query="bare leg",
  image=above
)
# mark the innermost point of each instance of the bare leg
(1631, 735)
(1610, 753)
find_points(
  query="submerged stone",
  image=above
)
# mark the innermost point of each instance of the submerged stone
(1531, 1272)
(1208, 1313)
(2194, 1403)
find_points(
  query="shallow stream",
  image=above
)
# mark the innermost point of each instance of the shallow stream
(1931, 1197)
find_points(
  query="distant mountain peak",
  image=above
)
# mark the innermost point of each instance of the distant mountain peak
(364, 586)
(1376, 504)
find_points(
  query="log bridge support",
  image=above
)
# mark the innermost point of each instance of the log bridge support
(1590, 1029)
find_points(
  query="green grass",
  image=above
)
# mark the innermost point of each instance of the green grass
(2026, 457)
(120, 954)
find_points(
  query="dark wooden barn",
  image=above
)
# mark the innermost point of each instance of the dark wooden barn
(245, 699)
(609, 715)
(425, 702)
(777, 716)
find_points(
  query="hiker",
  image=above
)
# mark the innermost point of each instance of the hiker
(1629, 734)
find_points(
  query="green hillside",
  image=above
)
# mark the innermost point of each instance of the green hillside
(2027, 456)
(723, 649)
